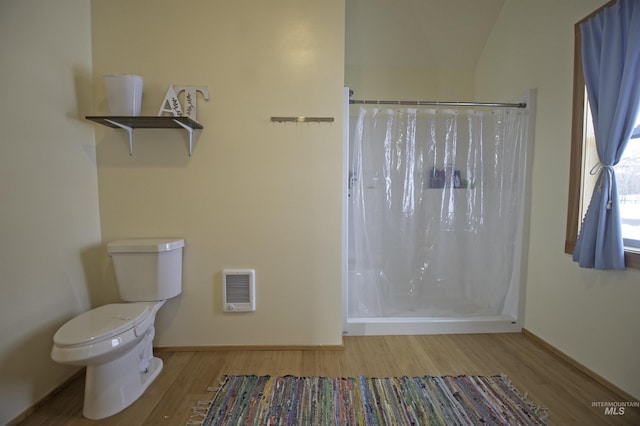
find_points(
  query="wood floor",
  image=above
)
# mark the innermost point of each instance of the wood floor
(548, 380)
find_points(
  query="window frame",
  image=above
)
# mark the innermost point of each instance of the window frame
(631, 259)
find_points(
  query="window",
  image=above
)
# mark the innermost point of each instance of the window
(628, 178)
(584, 157)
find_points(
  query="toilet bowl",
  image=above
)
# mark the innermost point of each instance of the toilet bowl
(112, 341)
(115, 341)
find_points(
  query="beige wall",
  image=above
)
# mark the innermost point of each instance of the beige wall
(415, 49)
(254, 194)
(592, 316)
(49, 222)
(409, 82)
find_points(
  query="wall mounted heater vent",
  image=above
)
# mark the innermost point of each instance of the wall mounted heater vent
(238, 290)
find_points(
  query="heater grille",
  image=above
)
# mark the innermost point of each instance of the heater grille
(238, 290)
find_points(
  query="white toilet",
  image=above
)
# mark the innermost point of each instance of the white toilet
(115, 342)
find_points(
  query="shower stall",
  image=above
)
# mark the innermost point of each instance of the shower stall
(437, 217)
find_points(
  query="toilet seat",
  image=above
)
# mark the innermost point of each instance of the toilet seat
(100, 324)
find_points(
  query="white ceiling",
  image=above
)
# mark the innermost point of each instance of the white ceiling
(425, 33)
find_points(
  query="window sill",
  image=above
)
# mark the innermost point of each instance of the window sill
(631, 255)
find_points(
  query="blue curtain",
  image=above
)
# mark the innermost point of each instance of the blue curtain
(611, 65)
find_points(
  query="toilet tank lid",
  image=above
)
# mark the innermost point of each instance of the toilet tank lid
(144, 245)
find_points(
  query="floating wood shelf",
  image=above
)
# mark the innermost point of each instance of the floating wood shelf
(149, 122)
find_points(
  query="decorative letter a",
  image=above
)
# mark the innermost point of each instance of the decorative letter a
(174, 105)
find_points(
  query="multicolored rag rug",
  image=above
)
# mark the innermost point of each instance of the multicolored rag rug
(428, 400)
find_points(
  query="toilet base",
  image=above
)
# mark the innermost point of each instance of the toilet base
(113, 386)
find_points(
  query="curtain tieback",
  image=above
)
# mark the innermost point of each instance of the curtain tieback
(599, 169)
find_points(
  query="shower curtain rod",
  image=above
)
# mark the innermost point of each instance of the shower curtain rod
(439, 103)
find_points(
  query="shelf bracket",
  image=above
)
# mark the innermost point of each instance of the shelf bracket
(190, 130)
(130, 123)
(129, 130)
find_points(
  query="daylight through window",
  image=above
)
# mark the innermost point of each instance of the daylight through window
(628, 178)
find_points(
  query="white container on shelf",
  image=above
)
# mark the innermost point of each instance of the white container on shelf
(124, 94)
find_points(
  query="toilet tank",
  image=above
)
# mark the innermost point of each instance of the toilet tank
(147, 269)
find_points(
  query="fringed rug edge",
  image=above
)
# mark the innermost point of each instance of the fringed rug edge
(538, 410)
(201, 409)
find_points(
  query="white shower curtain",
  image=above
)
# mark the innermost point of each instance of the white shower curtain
(435, 206)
